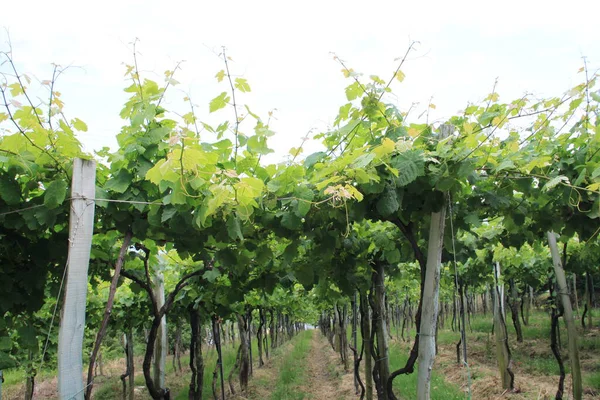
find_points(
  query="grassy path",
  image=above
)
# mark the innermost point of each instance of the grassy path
(304, 368)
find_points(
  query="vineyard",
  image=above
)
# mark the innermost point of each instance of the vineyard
(406, 260)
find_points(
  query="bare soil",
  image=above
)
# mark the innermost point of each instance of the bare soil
(326, 378)
(484, 378)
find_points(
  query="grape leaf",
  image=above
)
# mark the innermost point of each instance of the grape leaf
(388, 203)
(218, 102)
(55, 194)
(10, 191)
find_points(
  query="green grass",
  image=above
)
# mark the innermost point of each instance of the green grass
(406, 385)
(593, 380)
(292, 370)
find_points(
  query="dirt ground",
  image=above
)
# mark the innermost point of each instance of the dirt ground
(484, 379)
(326, 376)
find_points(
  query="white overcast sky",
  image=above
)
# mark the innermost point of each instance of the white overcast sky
(283, 49)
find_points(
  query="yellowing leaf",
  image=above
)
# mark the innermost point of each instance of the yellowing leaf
(248, 189)
(220, 75)
(413, 132)
(242, 85)
(347, 72)
(15, 89)
(497, 121)
(162, 171)
(400, 76)
(387, 146)
(432, 106)
(594, 187)
(326, 182)
(468, 128)
(295, 151)
(354, 192)
(218, 102)
(79, 125)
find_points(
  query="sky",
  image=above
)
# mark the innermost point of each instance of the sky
(285, 51)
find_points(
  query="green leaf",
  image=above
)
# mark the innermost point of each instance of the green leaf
(314, 158)
(120, 182)
(211, 275)
(248, 189)
(27, 337)
(472, 219)
(55, 194)
(79, 125)
(506, 164)
(291, 221)
(353, 91)
(45, 216)
(555, 181)
(5, 361)
(445, 183)
(242, 85)
(218, 102)
(101, 194)
(305, 196)
(234, 229)
(305, 274)
(290, 252)
(392, 256)
(5, 343)
(162, 171)
(388, 203)
(410, 166)
(10, 191)
(220, 75)
(258, 144)
(168, 213)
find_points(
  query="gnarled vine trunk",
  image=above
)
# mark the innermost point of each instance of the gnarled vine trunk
(503, 355)
(196, 358)
(568, 317)
(381, 370)
(514, 310)
(243, 324)
(365, 328)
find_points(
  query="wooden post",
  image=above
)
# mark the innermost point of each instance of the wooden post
(500, 332)
(160, 347)
(430, 304)
(72, 322)
(575, 294)
(563, 293)
(431, 292)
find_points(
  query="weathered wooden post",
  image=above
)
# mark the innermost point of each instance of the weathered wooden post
(72, 321)
(431, 291)
(160, 348)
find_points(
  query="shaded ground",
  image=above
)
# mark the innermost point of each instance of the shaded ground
(536, 371)
(323, 377)
(326, 377)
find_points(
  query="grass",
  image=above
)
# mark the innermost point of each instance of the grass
(406, 385)
(593, 380)
(293, 370)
